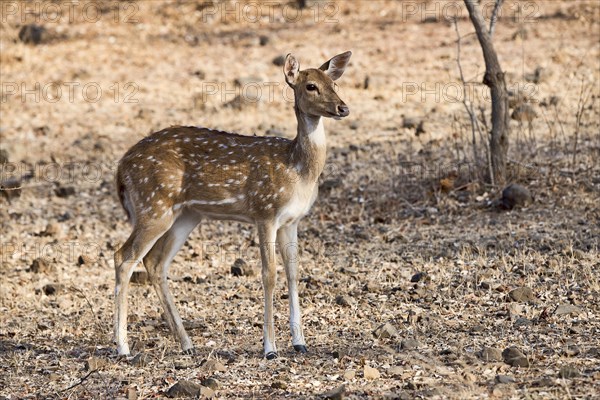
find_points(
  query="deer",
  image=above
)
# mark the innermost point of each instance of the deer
(174, 178)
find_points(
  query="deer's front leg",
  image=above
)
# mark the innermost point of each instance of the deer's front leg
(267, 236)
(287, 237)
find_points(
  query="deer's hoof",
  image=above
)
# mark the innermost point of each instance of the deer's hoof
(300, 348)
(190, 352)
(271, 355)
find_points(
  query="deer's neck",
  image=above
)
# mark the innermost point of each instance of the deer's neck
(309, 147)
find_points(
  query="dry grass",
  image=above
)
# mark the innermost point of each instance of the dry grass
(383, 213)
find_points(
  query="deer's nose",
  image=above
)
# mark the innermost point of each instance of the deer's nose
(343, 110)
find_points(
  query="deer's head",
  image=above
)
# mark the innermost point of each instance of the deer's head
(314, 89)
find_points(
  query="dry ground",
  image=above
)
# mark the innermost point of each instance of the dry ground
(392, 204)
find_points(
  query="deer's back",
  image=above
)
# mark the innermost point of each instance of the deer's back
(219, 174)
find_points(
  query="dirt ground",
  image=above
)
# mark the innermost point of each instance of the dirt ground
(404, 232)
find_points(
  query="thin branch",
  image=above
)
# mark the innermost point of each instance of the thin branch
(467, 104)
(80, 381)
(584, 96)
(90, 305)
(497, 7)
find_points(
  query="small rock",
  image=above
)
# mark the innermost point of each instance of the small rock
(206, 392)
(199, 74)
(340, 353)
(522, 322)
(214, 365)
(84, 259)
(139, 277)
(279, 385)
(263, 40)
(371, 373)
(489, 354)
(572, 350)
(420, 276)
(64, 191)
(568, 372)
(385, 331)
(504, 379)
(3, 156)
(336, 393)
(349, 375)
(211, 383)
(140, 360)
(184, 388)
(371, 287)
(566, 309)
(33, 34)
(344, 300)
(53, 229)
(395, 371)
(521, 294)
(10, 189)
(515, 195)
(514, 357)
(95, 363)
(239, 267)
(52, 289)
(279, 61)
(41, 266)
(409, 344)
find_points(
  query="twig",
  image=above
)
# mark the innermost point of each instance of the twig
(584, 96)
(89, 304)
(80, 381)
(497, 7)
(25, 187)
(468, 105)
(560, 124)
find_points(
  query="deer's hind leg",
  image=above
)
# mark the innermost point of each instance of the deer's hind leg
(139, 243)
(157, 263)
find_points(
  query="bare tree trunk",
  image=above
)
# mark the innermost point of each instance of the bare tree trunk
(494, 79)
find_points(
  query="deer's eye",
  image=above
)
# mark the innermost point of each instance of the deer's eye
(311, 87)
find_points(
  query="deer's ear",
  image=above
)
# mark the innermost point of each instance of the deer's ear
(291, 68)
(335, 67)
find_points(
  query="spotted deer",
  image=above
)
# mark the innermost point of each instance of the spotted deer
(172, 179)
